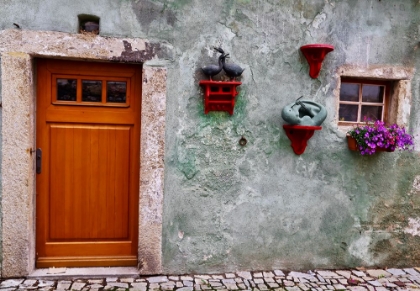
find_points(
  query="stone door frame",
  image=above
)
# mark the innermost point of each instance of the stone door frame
(18, 53)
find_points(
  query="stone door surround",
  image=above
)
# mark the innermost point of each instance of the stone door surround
(18, 52)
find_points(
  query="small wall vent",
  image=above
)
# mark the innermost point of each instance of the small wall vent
(88, 23)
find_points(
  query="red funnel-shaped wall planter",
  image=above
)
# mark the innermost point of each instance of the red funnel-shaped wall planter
(299, 136)
(219, 96)
(315, 54)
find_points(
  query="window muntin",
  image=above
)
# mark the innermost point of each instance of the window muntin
(90, 90)
(362, 98)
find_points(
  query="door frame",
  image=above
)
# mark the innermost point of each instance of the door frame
(18, 62)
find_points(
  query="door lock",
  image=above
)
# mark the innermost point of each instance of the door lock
(38, 160)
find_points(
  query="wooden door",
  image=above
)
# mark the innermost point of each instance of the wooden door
(88, 129)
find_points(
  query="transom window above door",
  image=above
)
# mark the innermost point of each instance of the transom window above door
(360, 99)
(89, 90)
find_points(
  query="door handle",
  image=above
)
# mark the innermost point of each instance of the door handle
(38, 160)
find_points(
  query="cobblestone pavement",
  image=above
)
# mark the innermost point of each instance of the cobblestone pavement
(356, 280)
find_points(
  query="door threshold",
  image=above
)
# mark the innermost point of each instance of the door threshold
(95, 272)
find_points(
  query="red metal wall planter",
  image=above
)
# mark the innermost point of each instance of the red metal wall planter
(304, 117)
(299, 136)
(315, 54)
(219, 96)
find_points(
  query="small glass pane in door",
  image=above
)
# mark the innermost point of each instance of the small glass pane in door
(116, 92)
(91, 91)
(66, 89)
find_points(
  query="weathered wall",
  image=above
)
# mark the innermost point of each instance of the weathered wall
(229, 207)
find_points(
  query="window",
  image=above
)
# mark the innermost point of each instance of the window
(92, 91)
(360, 98)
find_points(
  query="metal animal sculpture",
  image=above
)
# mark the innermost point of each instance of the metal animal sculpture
(213, 70)
(304, 113)
(231, 70)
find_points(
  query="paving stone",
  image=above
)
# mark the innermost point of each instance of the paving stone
(190, 283)
(11, 283)
(396, 272)
(127, 280)
(273, 285)
(157, 279)
(294, 288)
(230, 275)
(304, 287)
(328, 274)
(411, 271)
(117, 284)
(358, 273)
(320, 279)
(229, 281)
(204, 277)
(186, 278)
(112, 279)
(258, 281)
(257, 275)
(378, 273)
(179, 285)
(154, 286)
(173, 278)
(29, 282)
(300, 275)
(242, 286)
(140, 280)
(108, 287)
(339, 287)
(90, 281)
(218, 277)
(63, 285)
(381, 289)
(95, 286)
(215, 284)
(370, 288)
(288, 283)
(185, 289)
(278, 273)
(268, 274)
(269, 280)
(238, 280)
(77, 286)
(262, 287)
(368, 278)
(167, 287)
(245, 275)
(345, 274)
(231, 286)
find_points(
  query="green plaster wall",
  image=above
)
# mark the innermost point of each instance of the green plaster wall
(260, 206)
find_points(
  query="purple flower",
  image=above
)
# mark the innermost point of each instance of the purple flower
(372, 135)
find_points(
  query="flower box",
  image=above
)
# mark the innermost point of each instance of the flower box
(372, 137)
(352, 144)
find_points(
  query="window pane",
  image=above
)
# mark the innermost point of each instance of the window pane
(349, 92)
(91, 91)
(116, 92)
(373, 93)
(372, 112)
(66, 89)
(348, 112)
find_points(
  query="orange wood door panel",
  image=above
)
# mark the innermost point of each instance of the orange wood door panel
(87, 191)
